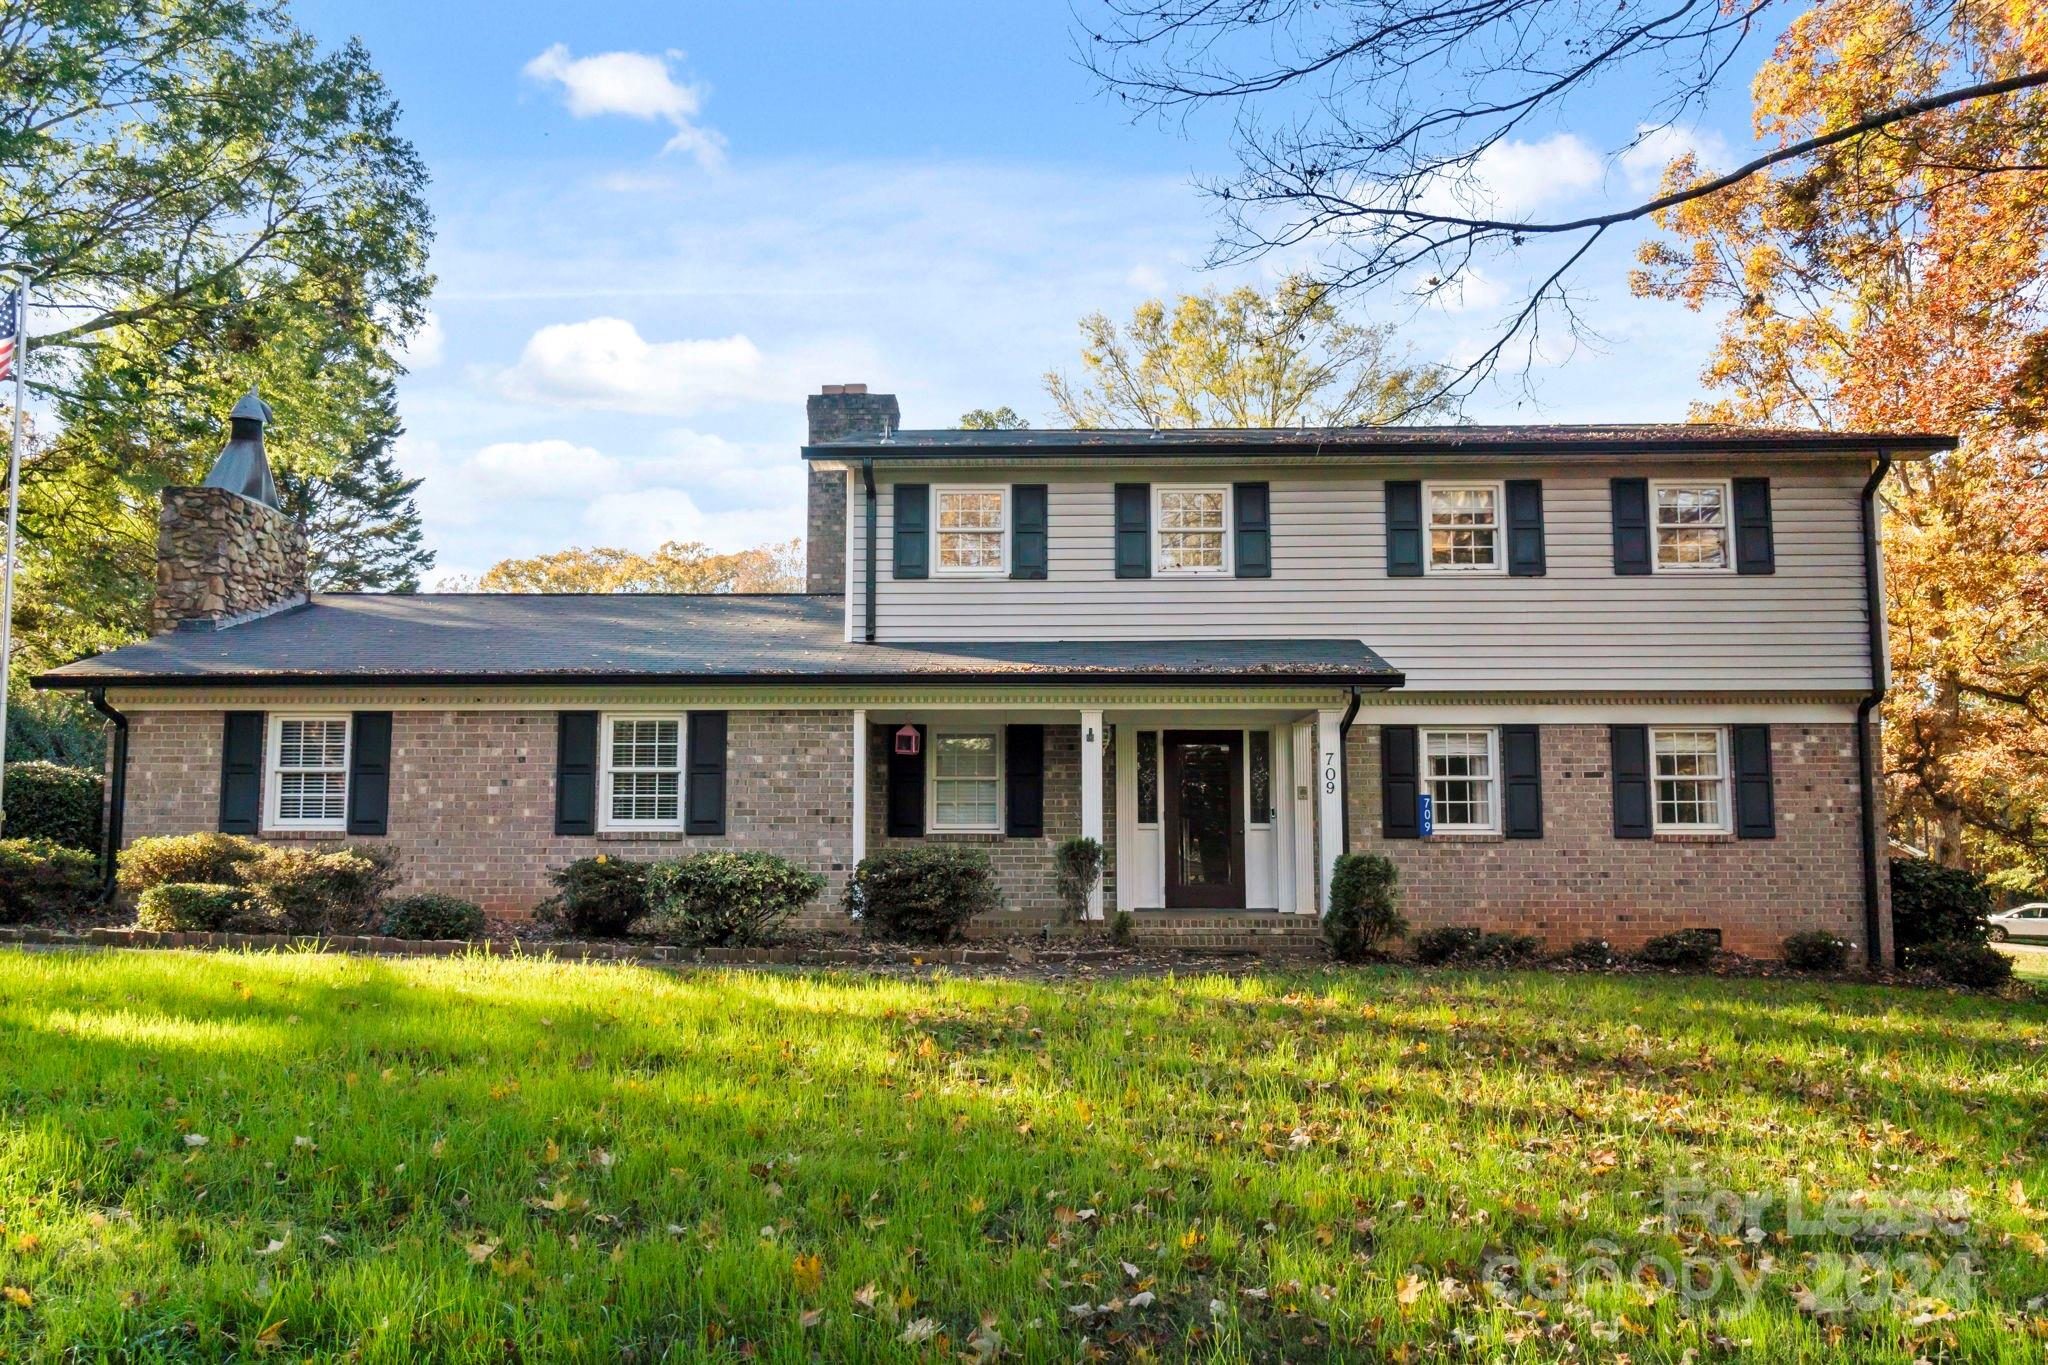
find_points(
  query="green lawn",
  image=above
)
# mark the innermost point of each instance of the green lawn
(204, 1156)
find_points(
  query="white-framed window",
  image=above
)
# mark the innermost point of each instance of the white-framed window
(1464, 527)
(973, 526)
(1689, 779)
(1191, 529)
(306, 777)
(1461, 773)
(643, 771)
(1689, 519)
(966, 781)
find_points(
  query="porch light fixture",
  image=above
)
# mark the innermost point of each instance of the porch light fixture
(906, 740)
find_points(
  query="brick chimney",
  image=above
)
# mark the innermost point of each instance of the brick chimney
(226, 549)
(839, 412)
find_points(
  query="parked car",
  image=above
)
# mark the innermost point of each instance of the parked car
(2023, 924)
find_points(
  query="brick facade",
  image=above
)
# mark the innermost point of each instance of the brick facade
(1580, 881)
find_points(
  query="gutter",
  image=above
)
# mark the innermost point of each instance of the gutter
(1873, 610)
(867, 479)
(898, 678)
(1344, 768)
(117, 804)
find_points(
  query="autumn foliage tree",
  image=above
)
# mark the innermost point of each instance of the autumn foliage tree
(1898, 282)
(677, 566)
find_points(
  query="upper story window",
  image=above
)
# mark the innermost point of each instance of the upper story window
(1460, 772)
(1464, 527)
(967, 781)
(1689, 768)
(308, 772)
(1691, 524)
(973, 530)
(1190, 530)
(643, 772)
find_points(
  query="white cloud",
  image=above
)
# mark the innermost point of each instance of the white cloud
(1469, 290)
(606, 363)
(517, 469)
(1513, 178)
(1148, 279)
(1655, 148)
(636, 85)
(646, 517)
(423, 349)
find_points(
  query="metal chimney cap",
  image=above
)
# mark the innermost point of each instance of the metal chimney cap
(252, 406)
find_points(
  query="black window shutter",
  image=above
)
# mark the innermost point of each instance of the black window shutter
(1404, 528)
(1628, 749)
(1024, 781)
(1134, 530)
(1753, 549)
(1028, 539)
(241, 773)
(1400, 784)
(1630, 499)
(704, 790)
(906, 789)
(576, 772)
(1253, 504)
(1525, 528)
(1521, 762)
(1755, 810)
(913, 558)
(369, 772)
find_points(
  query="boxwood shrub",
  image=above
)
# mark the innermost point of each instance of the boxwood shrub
(51, 801)
(1690, 949)
(1364, 913)
(922, 895)
(200, 907)
(204, 859)
(726, 899)
(598, 897)
(335, 892)
(1936, 904)
(1815, 950)
(40, 877)
(433, 916)
(1973, 966)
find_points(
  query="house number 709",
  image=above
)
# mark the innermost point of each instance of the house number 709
(1330, 772)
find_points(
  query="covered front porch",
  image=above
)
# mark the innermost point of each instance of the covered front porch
(1203, 803)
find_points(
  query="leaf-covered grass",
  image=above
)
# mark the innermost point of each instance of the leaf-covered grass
(469, 1159)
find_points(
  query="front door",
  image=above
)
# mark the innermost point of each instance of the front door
(1204, 818)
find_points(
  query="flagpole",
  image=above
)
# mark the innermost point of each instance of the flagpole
(13, 518)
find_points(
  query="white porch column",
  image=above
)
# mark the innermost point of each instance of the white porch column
(1329, 780)
(860, 788)
(1091, 795)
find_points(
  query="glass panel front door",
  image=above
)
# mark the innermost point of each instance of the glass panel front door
(1204, 819)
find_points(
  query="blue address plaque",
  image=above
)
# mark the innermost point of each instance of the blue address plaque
(1425, 814)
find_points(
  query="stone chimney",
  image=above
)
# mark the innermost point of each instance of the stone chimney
(226, 549)
(841, 411)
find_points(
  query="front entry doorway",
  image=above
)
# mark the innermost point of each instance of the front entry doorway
(1204, 819)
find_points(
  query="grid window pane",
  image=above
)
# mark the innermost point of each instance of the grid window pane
(1191, 526)
(312, 796)
(1458, 766)
(645, 770)
(1689, 777)
(311, 771)
(1692, 526)
(966, 781)
(1464, 528)
(971, 529)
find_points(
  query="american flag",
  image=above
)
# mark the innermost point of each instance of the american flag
(11, 305)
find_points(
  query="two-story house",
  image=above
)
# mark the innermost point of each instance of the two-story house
(1573, 680)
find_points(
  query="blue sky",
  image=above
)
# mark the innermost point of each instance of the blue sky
(661, 225)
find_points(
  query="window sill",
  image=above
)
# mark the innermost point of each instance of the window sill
(1675, 836)
(336, 833)
(627, 836)
(1465, 837)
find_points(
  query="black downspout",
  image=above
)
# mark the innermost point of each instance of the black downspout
(867, 478)
(1873, 610)
(1344, 770)
(117, 804)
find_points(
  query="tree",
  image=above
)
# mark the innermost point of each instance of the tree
(678, 566)
(1365, 129)
(362, 526)
(1004, 418)
(1902, 283)
(1244, 359)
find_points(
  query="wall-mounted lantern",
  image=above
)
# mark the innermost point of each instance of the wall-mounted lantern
(906, 740)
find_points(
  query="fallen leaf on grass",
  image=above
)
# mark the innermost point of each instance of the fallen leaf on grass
(195, 1139)
(810, 1318)
(16, 1295)
(808, 1272)
(1411, 1290)
(479, 1252)
(276, 1245)
(919, 1330)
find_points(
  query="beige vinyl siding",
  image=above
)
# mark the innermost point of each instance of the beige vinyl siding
(1579, 627)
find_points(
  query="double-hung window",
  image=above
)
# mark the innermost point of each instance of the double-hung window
(967, 781)
(643, 772)
(1190, 530)
(1689, 770)
(973, 530)
(1461, 773)
(1464, 527)
(308, 777)
(1691, 524)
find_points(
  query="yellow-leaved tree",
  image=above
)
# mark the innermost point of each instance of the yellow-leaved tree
(677, 566)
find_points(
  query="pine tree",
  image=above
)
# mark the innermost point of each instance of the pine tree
(362, 525)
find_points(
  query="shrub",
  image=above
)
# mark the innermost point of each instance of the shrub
(1973, 966)
(1816, 950)
(1936, 904)
(727, 900)
(51, 801)
(598, 897)
(922, 894)
(42, 877)
(1688, 948)
(1363, 906)
(336, 892)
(1077, 867)
(1592, 952)
(1122, 928)
(210, 859)
(433, 917)
(1451, 943)
(199, 907)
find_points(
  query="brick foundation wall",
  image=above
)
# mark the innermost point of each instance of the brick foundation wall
(1579, 880)
(473, 799)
